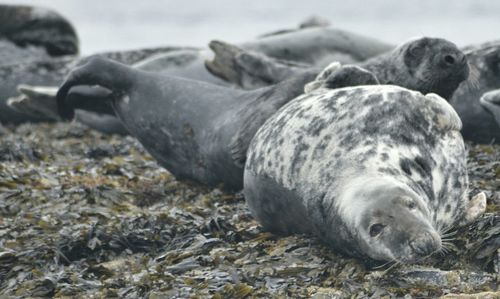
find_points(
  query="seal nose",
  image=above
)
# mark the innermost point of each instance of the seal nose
(451, 59)
(425, 245)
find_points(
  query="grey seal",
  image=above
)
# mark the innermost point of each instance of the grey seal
(376, 172)
(29, 33)
(187, 125)
(424, 64)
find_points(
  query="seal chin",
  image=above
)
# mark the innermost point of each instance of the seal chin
(407, 251)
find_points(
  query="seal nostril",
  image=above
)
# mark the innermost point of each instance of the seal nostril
(449, 59)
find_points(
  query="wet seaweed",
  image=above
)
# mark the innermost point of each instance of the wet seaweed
(86, 214)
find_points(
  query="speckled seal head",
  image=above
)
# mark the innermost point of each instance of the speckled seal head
(377, 172)
(424, 64)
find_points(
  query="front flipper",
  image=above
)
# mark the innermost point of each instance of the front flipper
(337, 76)
(475, 208)
(248, 69)
(114, 76)
(491, 102)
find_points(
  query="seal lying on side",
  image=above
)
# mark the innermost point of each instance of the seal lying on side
(30, 33)
(376, 172)
(195, 130)
(423, 64)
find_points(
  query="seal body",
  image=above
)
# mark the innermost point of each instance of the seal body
(188, 126)
(376, 172)
(424, 64)
(479, 124)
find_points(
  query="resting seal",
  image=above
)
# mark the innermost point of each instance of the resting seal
(376, 172)
(424, 64)
(36, 33)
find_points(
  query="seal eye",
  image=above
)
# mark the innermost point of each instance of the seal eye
(376, 229)
(412, 205)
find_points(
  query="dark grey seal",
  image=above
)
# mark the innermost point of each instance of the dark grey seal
(424, 64)
(376, 172)
(187, 125)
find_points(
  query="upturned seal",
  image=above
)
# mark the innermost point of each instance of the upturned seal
(377, 172)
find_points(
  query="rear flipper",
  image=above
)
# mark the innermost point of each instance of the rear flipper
(41, 100)
(38, 101)
(491, 102)
(337, 76)
(248, 69)
(105, 123)
(113, 76)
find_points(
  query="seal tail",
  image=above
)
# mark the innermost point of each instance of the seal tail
(103, 72)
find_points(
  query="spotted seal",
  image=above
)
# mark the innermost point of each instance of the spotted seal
(423, 64)
(377, 172)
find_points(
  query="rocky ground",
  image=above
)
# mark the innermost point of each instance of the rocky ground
(85, 215)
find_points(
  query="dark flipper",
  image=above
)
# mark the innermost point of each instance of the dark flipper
(248, 69)
(99, 71)
(105, 123)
